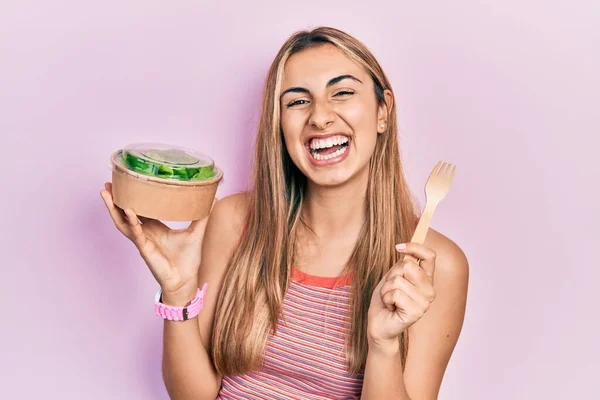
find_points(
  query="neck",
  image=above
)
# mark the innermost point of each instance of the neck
(335, 210)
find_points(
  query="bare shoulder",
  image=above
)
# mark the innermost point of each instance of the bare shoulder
(451, 260)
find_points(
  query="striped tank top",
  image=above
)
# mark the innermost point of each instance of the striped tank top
(305, 359)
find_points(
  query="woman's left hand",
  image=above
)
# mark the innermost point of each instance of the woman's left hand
(402, 297)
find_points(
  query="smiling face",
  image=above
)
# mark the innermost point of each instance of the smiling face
(329, 115)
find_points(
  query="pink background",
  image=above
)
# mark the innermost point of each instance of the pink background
(507, 90)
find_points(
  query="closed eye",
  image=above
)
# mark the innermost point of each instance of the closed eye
(297, 102)
(303, 101)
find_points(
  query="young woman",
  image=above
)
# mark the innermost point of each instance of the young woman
(309, 296)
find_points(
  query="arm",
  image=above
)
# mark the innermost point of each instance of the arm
(188, 370)
(432, 338)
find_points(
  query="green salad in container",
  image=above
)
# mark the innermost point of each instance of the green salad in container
(168, 162)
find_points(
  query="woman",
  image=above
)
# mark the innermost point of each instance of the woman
(308, 295)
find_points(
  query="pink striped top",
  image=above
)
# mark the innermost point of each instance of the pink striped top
(305, 359)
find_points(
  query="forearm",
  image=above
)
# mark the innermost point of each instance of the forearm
(187, 369)
(383, 377)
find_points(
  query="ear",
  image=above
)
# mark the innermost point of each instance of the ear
(383, 111)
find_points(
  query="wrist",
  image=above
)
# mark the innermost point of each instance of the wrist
(384, 347)
(181, 296)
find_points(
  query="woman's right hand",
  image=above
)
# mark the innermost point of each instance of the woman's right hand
(173, 255)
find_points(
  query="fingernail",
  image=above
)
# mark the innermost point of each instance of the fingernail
(400, 246)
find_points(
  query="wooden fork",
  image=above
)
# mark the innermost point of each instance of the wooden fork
(437, 187)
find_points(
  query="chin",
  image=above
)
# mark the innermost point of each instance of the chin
(334, 178)
(331, 182)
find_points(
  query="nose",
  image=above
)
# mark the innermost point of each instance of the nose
(322, 115)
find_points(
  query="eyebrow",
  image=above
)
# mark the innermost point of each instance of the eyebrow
(331, 82)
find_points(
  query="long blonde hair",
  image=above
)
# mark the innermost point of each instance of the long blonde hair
(258, 275)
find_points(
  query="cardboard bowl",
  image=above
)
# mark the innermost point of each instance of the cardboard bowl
(161, 199)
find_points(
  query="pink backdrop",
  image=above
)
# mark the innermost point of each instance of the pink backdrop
(509, 91)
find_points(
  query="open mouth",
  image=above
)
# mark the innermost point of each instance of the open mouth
(329, 148)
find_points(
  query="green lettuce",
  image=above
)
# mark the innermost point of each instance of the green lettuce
(164, 168)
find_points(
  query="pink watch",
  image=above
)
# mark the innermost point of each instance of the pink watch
(172, 313)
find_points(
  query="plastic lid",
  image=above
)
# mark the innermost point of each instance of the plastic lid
(168, 162)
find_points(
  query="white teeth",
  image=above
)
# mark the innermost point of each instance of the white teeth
(316, 144)
(336, 153)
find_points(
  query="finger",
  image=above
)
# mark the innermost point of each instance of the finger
(137, 231)
(108, 188)
(397, 299)
(395, 272)
(421, 252)
(404, 305)
(152, 228)
(116, 213)
(418, 278)
(146, 220)
(402, 284)
(397, 269)
(198, 227)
